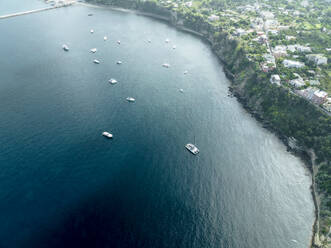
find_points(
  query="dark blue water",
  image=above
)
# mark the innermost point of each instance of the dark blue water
(63, 185)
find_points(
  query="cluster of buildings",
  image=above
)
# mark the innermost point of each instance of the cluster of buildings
(286, 58)
(316, 96)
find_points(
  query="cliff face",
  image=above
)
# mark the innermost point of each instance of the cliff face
(299, 124)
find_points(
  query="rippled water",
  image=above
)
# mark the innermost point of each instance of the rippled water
(63, 185)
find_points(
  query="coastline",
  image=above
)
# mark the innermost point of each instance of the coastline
(307, 156)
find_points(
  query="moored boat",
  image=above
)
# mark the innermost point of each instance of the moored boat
(112, 81)
(192, 148)
(130, 99)
(65, 47)
(96, 61)
(107, 135)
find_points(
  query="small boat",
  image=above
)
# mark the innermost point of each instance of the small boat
(119, 42)
(90, 14)
(181, 90)
(94, 50)
(119, 62)
(192, 148)
(91, 31)
(167, 40)
(130, 99)
(166, 65)
(105, 38)
(174, 47)
(96, 61)
(185, 72)
(65, 48)
(107, 135)
(112, 81)
(149, 41)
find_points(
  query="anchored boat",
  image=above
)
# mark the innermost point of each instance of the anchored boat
(192, 148)
(130, 99)
(107, 135)
(112, 81)
(65, 48)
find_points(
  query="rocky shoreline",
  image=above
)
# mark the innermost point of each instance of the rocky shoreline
(305, 154)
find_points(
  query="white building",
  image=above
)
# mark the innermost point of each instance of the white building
(320, 97)
(314, 82)
(293, 64)
(327, 105)
(267, 15)
(289, 37)
(307, 93)
(275, 79)
(299, 48)
(188, 4)
(297, 83)
(279, 51)
(213, 18)
(240, 32)
(268, 24)
(272, 31)
(318, 59)
(303, 49)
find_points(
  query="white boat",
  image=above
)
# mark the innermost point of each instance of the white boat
(92, 31)
(185, 72)
(166, 65)
(149, 41)
(96, 61)
(130, 99)
(112, 81)
(107, 135)
(94, 50)
(167, 40)
(65, 48)
(118, 42)
(105, 38)
(119, 62)
(174, 47)
(181, 90)
(192, 148)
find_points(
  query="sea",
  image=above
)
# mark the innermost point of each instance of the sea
(62, 184)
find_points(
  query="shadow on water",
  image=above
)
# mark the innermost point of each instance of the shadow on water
(126, 213)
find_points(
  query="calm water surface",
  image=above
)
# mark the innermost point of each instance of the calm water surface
(63, 185)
